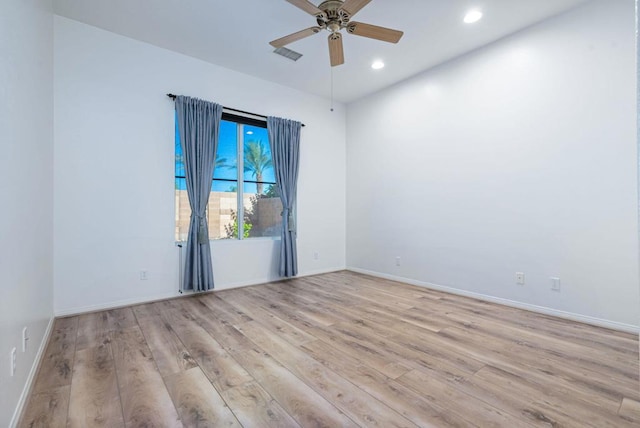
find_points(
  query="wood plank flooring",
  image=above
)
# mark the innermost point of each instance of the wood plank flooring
(333, 350)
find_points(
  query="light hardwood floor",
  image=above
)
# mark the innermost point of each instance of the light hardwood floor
(334, 350)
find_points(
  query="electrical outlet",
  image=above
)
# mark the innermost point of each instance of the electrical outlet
(316, 256)
(144, 275)
(555, 284)
(13, 361)
(520, 278)
(397, 261)
(25, 338)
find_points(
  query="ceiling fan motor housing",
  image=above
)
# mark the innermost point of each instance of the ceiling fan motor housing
(335, 15)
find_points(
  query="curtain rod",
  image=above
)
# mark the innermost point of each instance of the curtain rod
(173, 97)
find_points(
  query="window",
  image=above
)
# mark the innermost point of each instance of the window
(244, 201)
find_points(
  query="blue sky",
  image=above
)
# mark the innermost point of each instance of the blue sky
(227, 150)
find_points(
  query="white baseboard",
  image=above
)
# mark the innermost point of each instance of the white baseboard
(150, 299)
(321, 271)
(273, 279)
(32, 374)
(113, 305)
(628, 328)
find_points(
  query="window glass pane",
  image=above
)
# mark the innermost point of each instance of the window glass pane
(223, 200)
(227, 155)
(262, 212)
(183, 210)
(258, 165)
(179, 156)
(182, 203)
(222, 210)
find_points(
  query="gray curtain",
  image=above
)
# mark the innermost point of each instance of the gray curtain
(284, 138)
(198, 126)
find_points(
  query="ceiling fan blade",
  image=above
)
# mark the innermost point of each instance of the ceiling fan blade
(283, 41)
(374, 32)
(308, 7)
(336, 53)
(353, 6)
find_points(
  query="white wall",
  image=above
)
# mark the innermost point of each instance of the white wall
(26, 194)
(114, 154)
(518, 157)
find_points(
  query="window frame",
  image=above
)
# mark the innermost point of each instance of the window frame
(240, 122)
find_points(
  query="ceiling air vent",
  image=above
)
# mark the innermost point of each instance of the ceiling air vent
(288, 53)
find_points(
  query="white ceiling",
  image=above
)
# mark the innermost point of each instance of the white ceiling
(235, 34)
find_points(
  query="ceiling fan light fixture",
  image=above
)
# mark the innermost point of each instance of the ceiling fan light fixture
(377, 65)
(472, 16)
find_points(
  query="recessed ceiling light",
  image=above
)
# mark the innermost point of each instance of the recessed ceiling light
(472, 16)
(249, 132)
(377, 65)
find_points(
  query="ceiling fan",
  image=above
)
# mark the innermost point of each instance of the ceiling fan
(333, 16)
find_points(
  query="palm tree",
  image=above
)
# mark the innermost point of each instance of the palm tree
(256, 160)
(222, 163)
